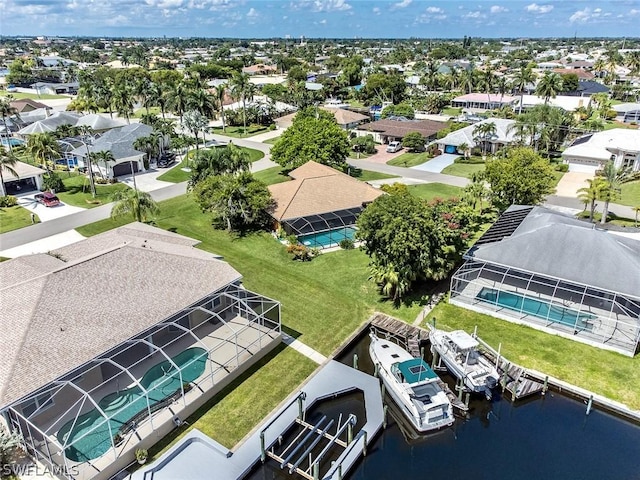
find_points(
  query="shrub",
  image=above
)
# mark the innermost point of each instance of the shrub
(299, 252)
(414, 142)
(562, 167)
(364, 144)
(53, 182)
(346, 244)
(8, 201)
(101, 181)
(292, 239)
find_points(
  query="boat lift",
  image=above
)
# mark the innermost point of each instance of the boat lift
(299, 452)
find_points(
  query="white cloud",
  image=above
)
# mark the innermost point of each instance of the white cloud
(252, 13)
(634, 12)
(535, 8)
(323, 21)
(476, 14)
(586, 14)
(376, 11)
(498, 9)
(330, 6)
(402, 4)
(434, 10)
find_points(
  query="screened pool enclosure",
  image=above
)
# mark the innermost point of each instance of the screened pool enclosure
(584, 313)
(325, 229)
(134, 394)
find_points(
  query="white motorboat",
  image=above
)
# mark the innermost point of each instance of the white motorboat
(459, 352)
(412, 384)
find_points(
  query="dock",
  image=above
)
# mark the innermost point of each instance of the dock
(411, 338)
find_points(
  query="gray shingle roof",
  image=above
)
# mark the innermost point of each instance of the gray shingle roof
(63, 314)
(119, 141)
(554, 245)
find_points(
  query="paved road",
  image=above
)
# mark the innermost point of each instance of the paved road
(430, 177)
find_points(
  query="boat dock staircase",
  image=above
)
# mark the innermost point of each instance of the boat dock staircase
(412, 339)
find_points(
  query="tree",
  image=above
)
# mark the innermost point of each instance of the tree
(219, 94)
(522, 78)
(613, 178)
(414, 142)
(195, 122)
(309, 138)
(122, 100)
(242, 89)
(476, 192)
(179, 98)
(218, 161)
(549, 86)
(7, 111)
(590, 194)
(135, 203)
(7, 163)
(237, 202)
(385, 87)
(364, 144)
(483, 132)
(105, 156)
(202, 102)
(464, 149)
(43, 147)
(400, 110)
(408, 240)
(522, 177)
(570, 82)
(8, 442)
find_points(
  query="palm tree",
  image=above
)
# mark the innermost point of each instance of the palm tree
(122, 100)
(138, 204)
(105, 156)
(43, 147)
(7, 111)
(614, 178)
(477, 190)
(632, 60)
(522, 78)
(487, 80)
(590, 194)
(195, 122)
(179, 98)
(240, 89)
(603, 101)
(202, 102)
(149, 145)
(158, 97)
(483, 132)
(464, 149)
(7, 162)
(219, 94)
(549, 86)
(636, 210)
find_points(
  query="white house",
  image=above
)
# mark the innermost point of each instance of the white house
(466, 135)
(590, 152)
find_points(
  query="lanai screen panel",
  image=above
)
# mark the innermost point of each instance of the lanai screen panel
(587, 314)
(322, 222)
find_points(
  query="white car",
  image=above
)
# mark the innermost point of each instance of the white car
(394, 147)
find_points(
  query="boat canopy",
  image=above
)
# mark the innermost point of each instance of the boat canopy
(416, 370)
(463, 340)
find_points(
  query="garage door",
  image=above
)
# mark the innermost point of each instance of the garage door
(124, 168)
(582, 168)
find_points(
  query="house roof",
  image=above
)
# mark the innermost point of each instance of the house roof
(119, 141)
(466, 135)
(399, 128)
(344, 116)
(315, 189)
(601, 145)
(483, 97)
(51, 123)
(99, 122)
(554, 245)
(28, 105)
(581, 74)
(62, 312)
(626, 107)
(24, 170)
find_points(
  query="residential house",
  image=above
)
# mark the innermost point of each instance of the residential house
(468, 136)
(591, 152)
(394, 129)
(627, 112)
(483, 101)
(28, 178)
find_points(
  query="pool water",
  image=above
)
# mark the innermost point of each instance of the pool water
(535, 307)
(14, 142)
(92, 432)
(327, 239)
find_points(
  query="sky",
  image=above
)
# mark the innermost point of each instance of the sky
(321, 18)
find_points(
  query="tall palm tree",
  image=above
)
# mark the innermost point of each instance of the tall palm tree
(105, 156)
(201, 101)
(549, 86)
(7, 111)
(468, 80)
(522, 78)
(614, 178)
(138, 204)
(43, 147)
(122, 100)
(487, 79)
(86, 132)
(7, 163)
(195, 122)
(240, 89)
(179, 98)
(483, 132)
(158, 97)
(632, 60)
(149, 145)
(104, 95)
(219, 94)
(591, 193)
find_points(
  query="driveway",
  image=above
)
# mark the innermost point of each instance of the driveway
(437, 164)
(46, 214)
(43, 245)
(571, 182)
(382, 156)
(147, 181)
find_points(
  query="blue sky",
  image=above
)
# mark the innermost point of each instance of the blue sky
(321, 18)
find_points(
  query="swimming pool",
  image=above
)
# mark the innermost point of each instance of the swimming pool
(327, 239)
(14, 142)
(535, 307)
(93, 432)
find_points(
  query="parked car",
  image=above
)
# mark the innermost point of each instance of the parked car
(48, 199)
(166, 159)
(394, 147)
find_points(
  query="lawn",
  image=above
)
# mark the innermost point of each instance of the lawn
(271, 176)
(238, 132)
(78, 192)
(227, 418)
(452, 111)
(430, 191)
(409, 159)
(141, 111)
(34, 96)
(629, 194)
(271, 141)
(557, 176)
(610, 124)
(463, 169)
(607, 373)
(13, 218)
(368, 175)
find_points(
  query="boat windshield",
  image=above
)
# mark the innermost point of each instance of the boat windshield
(416, 370)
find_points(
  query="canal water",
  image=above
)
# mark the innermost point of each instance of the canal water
(547, 437)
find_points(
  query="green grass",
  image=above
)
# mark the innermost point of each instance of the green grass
(610, 124)
(409, 159)
(629, 194)
(557, 176)
(78, 192)
(368, 175)
(611, 218)
(238, 132)
(430, 191)
(271, 176)
(13, 218)
(254, 155)
(271, 141)
(141, 111)
(452, 111)
(34, 96)
(466, 170)
(607, 373)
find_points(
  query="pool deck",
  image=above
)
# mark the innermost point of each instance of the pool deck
(197, 455)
